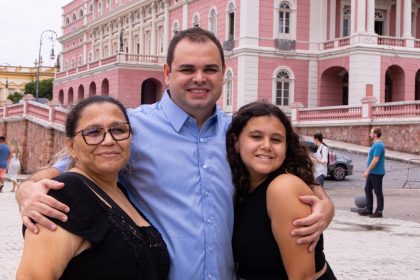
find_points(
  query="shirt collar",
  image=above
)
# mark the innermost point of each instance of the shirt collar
(175, 114)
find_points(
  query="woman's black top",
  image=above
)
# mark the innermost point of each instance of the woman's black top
(120, 249)
(255, 250)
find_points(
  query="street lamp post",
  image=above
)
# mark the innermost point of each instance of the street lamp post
(52, 35)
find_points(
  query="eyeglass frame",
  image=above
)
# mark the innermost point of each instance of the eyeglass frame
(104, 133)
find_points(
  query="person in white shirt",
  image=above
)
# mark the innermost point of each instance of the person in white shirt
(320, 159)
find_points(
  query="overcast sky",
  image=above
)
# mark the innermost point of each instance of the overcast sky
(21, 25)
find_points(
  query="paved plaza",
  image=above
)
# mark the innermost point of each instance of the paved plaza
(356, 247)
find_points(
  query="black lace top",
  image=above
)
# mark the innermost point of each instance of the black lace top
(255, 250)
(120, 249)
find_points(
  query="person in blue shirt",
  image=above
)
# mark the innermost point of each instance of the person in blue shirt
(178, 167)
(4, 160)
(374, 175)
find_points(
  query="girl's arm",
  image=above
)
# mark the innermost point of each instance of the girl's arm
(46, 254)
(284, 206)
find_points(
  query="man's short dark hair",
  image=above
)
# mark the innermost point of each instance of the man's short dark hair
(195, 35)
(377, 131)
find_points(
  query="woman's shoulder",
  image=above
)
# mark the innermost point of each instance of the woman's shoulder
(288, 184)
(74, 186)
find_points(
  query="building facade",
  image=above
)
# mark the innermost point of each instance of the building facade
(317, 53)
(14, 78)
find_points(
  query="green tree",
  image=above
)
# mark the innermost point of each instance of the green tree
(15, 97)
(45, 88)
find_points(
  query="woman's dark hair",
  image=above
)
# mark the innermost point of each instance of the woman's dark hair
(319, 137)
(74, 115)
(296, 162)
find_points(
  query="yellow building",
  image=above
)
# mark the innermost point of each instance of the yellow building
(14, 78)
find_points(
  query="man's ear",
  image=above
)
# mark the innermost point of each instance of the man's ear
(167, 73)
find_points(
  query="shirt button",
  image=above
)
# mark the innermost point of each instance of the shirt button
(209, 276)
(209, 220)
(206, 193)
(202, 140)
(205, 166)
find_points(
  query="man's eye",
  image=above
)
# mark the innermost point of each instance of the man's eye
(210, 70)
(186, 71)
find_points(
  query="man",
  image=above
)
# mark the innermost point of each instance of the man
(374, 175)
(4, 159)
(178, 168)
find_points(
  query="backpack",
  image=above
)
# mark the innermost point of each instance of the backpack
(332, 156)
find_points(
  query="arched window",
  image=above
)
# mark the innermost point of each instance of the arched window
(346, 21)
(74, 17)
(196, 21)
(91, 8)
(229, 91)
(67, 20)
(284, 18)
(80, 60)
(212, 21)
(81, 13)
(282, 88)
(176, 28)
(231, 22)
(72, 63)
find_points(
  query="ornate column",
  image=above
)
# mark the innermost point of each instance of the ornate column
(130, 34)
(370, 16)
(153, 31)
(407, 19)
(361, 16)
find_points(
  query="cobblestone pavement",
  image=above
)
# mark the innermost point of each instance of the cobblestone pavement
(356, 247)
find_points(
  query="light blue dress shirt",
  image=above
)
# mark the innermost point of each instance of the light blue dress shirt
(181, 181)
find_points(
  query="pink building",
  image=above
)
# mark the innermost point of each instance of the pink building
(316, 52)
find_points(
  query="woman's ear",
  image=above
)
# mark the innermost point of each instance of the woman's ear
(70, 147)
(235, 141)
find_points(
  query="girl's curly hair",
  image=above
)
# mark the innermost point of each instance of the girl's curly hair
(296, 162)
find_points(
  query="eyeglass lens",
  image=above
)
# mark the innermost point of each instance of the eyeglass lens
(96, 135)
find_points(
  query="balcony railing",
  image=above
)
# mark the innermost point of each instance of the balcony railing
(391, 41)
(117, 58)
(367, 110)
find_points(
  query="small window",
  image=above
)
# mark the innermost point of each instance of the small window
(282, 88)
(74, 17)
(81, 13)
(67, 20)
(212, 21)
(176, 28)
(229, 89)
(196, 21)
(231, 22)
(284, 18)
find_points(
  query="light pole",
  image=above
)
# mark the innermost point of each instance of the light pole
(52, 35)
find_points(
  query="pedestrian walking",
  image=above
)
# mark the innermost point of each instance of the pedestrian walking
(320, 159)
(14, 166)
(374, 175)
(4, 160)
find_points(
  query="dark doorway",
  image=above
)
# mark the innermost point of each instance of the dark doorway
(149, 90)
(346, 89)
(379, 28)
(388, 87)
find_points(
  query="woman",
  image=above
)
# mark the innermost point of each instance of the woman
(320, 159)
(13, 168)
(270, 170)
(105, 236)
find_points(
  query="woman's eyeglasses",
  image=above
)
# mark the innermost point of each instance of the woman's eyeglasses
(96, 135)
